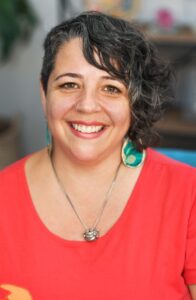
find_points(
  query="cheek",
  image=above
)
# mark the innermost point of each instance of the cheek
(120, 114)
(58, 109)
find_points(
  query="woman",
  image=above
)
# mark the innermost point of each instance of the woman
(99, 215)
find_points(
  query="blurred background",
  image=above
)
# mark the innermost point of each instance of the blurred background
(171, 25)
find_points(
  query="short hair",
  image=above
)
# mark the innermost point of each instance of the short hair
(123, 52)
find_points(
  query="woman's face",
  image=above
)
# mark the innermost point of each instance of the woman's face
(88, 111)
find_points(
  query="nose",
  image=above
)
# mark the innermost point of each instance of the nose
(88, 102)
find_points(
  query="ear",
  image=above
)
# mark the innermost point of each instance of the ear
(43, 99)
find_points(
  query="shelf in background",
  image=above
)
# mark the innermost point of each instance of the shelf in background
(178, 38)
(176, 132)
(178, 46)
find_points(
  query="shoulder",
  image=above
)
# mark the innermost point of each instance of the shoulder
(170, 170)
(170, 180)
(12, 176)
(12, 188)
(13, 168)
(160, 159)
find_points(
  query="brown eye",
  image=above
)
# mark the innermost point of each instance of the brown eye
(69, 85)
(112, 89)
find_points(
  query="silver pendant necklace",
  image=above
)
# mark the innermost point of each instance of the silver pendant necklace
(90, 234)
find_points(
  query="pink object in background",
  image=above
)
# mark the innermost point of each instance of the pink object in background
(165, 18)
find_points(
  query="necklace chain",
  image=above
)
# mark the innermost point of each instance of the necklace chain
(90, 234)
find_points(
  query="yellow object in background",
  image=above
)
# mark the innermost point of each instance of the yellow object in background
(15, 292)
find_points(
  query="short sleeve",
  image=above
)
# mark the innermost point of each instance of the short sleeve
(190, 258)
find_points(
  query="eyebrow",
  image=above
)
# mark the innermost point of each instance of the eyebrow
(110, 78)
(76, 75)
(73, 75)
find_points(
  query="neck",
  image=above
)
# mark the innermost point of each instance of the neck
(77, 171)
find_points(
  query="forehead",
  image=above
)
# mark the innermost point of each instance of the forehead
(70, 57)
(70, 49)
(71, 53)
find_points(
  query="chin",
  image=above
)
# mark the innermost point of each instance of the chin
(86, 155)
(86, 158)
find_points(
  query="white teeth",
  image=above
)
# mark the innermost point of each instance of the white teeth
(86, 129)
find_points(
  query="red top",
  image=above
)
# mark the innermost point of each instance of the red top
(149, 253)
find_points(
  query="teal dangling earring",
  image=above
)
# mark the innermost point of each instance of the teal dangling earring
(48, 139)
(130, 155)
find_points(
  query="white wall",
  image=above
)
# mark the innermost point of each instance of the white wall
(19, 80)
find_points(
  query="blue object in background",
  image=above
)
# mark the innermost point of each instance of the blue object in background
(186, 156)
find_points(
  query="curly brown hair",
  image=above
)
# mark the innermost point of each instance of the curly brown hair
(124, 52)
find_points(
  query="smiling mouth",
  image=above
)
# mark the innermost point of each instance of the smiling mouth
(87, 129)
